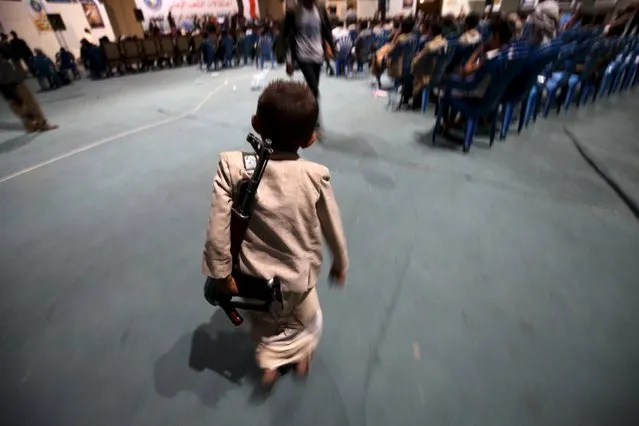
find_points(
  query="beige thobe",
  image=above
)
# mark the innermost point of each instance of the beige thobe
(295, 208)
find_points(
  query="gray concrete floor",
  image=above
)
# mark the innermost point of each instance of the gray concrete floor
(497, 288)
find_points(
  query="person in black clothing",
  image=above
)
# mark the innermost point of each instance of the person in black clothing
(5, 47)
(20, 50)
(306, 40)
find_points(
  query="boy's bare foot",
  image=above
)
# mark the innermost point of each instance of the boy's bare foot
(303, 367)
(47, 126)
(269, 377)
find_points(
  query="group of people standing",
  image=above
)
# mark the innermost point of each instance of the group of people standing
(12, 82)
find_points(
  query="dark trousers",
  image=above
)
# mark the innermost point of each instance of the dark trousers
(311, 72)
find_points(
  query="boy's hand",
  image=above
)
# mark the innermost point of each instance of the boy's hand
(227, 285)
(337, 276)
(289, 69)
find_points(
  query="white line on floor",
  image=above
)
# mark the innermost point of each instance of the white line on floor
(123, 134)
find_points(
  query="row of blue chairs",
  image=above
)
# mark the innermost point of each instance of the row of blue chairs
(575, 67)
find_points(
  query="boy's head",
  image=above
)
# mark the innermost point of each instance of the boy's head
(286, 114)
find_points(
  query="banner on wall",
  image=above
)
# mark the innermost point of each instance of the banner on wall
(185, 10)
(92, 13)
(39, 16)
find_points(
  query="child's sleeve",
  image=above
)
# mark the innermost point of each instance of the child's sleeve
(331, 221)
(217, 262)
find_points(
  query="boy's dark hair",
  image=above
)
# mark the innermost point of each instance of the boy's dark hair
(471, 21)
(287, 113)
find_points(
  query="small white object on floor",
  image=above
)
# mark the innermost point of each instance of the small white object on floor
(259, 79)
(234, 88)
(215, 74)
(226, 82)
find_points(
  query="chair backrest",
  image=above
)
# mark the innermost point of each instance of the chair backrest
(461, 53)
(130, 48)
(442, 61)
(111, 51)
(182, 43)
(149, 46)
(594, 58)
(503, 70)
(536, 62)
(166, 45)
(197, 42)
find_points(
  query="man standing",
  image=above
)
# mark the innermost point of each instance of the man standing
(306, 39)
(20, 98)
(20, 50)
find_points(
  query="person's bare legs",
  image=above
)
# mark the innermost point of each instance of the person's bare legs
(19, 110)
(32, 109)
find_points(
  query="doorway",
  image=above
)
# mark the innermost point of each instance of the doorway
(430, 7)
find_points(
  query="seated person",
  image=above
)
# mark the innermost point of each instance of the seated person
(396, 52)
(363, 45)
(44, 70)
(66, 62)
(475, 72)
(502, 35)
(424, 61)
(470, 35)
(544, 21)
(449, 27)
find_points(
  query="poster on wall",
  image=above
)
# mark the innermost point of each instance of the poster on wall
(183, 11)
(92, 13)
(407, 4)
(39, 15)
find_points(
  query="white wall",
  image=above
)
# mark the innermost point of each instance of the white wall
(396, 7)
(366, 8)
(454, 7)
(18, 16)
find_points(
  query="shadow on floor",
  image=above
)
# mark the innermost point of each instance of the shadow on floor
(11, 126)
(356, 145)
(453, 140)
(16, 142)
(217, 359)
(211, 361)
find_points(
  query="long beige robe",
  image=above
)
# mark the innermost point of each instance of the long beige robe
(295, 208)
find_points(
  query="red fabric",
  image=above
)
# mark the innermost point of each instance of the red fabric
(252, 12)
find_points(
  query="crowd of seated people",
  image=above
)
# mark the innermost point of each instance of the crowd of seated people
(50, 75)
(468, 60)
(212, 42)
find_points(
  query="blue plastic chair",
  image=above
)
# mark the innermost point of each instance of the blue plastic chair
(501, 70)
(627, 58)
(565, 76)
(407, 48)
(441, 60)
(588, 75)
(519, 90)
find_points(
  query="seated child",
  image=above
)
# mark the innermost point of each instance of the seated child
(295, 207)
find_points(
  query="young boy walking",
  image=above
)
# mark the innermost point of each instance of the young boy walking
(295, 208)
